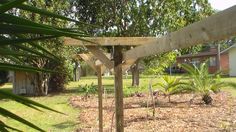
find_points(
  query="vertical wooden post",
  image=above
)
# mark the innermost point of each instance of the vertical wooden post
(118, 89)
(100, 111)
(218, 58)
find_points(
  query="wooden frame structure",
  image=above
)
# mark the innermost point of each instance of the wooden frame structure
(216, 27)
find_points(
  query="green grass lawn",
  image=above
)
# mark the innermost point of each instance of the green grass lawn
(54, 122)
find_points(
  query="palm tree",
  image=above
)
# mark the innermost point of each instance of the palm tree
(13, 33)
(202, 82)
(170, 85)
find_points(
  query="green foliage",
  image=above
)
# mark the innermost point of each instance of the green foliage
(24, 101)
(19, 33)
(142, 18)
(170, 85)
(88, 89)
(157, 64)
(133, 90)
(3, 77)
(202, 82)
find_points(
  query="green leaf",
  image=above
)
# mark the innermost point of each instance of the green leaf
(33, 51)
(8, 41)
(8, 18)
(4, 127)
(9, 5)
(7, 66)
(9, 114)
(49, 14)
(7, 51)
(40, 48)
(26, 101)
(22, 29)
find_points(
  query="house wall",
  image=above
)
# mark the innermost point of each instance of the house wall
(211, 69)
(224, 63)
(232, 62)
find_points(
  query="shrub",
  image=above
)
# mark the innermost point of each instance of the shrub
(170, 85)
(88, 89)
(202, 82)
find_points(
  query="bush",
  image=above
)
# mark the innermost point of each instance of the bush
(202, 82)
(3, 77)
(88, 89)
(170, 85)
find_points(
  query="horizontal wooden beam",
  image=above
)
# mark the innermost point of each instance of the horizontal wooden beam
(108, 41)
(216, 27)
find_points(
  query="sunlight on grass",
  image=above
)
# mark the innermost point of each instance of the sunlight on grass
(54, 122)
(47, 120)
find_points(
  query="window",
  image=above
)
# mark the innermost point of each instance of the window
(212, 61)
(195, 62)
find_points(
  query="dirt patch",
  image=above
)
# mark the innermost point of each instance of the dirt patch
(175, 116)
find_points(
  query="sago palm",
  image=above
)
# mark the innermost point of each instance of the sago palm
(13, 34)
(170, 85)
(202, 82)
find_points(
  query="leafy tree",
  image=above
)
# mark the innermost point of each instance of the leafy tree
(157, 64)
(140, 18)
(169, 16)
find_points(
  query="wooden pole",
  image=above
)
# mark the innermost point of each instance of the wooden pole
(100, 112)
(118, 89)
(218, 58)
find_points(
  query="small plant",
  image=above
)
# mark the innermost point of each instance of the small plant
(202, 82)
(88, 89)
(170, 85)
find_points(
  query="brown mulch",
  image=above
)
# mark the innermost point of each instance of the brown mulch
(175, 116)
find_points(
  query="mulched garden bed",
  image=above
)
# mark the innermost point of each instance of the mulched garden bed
(178, 115)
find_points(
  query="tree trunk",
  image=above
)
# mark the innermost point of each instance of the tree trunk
(56, 82)
(135, 74)
(41, 84)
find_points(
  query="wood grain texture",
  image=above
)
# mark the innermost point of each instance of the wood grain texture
(108, 41)
(99, 54)
(216, 27)
(100, 108)
(119, 112)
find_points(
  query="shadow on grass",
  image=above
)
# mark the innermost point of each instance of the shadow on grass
(6, 89)
(9, 90)
(64, 125)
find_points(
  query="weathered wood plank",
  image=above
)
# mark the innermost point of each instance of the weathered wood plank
(127, 64)
(216, 27)
(119, 112)
(100, 108)
(89, 60)
(107, 41)
(101, 56)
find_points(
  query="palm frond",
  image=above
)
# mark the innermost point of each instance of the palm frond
(14, 67)
(4, 127)
(26, 101)
(9, 5)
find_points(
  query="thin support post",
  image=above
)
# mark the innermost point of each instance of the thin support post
(100, 111)
(118, 89)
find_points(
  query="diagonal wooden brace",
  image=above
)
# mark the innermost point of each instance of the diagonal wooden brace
(101, 56)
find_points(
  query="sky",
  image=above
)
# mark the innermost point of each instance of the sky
(222, 4)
